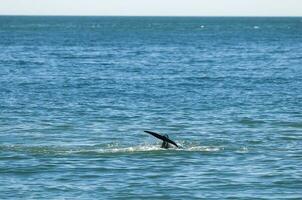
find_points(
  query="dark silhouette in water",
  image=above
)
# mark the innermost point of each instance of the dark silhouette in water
(165, 138)
(165, 144)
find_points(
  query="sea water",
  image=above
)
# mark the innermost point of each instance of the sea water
(76, 94)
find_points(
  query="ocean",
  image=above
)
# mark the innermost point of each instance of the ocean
(77, 94)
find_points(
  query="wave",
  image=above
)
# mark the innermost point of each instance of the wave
(157, 148)
(109, 149)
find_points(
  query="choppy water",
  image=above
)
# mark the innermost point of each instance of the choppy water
(76, 94)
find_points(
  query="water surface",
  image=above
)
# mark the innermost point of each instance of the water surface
(76, 94)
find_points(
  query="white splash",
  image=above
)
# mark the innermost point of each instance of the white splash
(130, 149)
(203, 149)
(243, 150)
(153, 148)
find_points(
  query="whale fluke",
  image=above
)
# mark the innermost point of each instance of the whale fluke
(163, 138)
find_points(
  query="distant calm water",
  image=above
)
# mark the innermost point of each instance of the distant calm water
(76, 94)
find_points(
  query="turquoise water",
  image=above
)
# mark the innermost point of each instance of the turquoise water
(76, 94)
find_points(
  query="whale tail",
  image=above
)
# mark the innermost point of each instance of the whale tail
(165, 138)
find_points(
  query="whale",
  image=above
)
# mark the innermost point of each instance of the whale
(167, 142)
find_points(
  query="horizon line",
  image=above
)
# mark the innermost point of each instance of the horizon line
(67, 15)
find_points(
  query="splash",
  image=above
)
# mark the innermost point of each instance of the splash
(156, 148)
(109, 149)
(203, 149)
(130, 149)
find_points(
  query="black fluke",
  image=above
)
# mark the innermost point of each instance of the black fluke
(164, 138)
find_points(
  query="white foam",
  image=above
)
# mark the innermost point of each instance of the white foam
(203, 149)
(130, 149)
(147, 148)
(243, 150)
(112, 148)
